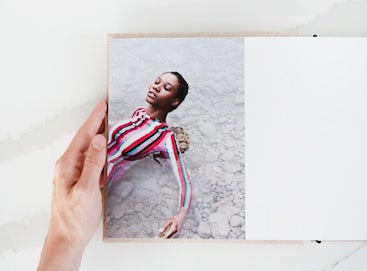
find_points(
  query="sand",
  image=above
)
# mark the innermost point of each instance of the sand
(213, 116)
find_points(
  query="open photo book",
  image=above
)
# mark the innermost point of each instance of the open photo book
(236, 137)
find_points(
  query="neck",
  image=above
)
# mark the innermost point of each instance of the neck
(157, 113)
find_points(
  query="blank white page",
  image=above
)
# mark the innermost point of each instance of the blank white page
(306, 138)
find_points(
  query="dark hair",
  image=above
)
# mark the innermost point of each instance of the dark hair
(183, 88)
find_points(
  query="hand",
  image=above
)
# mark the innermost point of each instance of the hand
(173, 225)
(77, 200)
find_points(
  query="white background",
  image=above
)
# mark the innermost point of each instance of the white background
(53, 72)
(306, 138)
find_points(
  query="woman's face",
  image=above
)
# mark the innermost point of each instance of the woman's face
(163, 92)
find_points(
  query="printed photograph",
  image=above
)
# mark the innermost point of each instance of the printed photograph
(175, 158)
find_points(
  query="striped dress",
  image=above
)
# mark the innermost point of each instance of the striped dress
(142, 135)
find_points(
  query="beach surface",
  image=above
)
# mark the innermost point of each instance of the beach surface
(140, 203)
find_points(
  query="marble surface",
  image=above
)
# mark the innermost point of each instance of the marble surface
(52, 73)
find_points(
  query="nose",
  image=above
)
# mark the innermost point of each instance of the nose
(157, 87)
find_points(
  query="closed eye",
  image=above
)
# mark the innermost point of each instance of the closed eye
(167, 86)
(157, 81)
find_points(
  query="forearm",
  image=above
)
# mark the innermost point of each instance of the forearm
(182, 212)
(185, 194)
(185, 188)
(60, 254)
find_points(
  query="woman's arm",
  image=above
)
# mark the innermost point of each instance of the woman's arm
(176, 163)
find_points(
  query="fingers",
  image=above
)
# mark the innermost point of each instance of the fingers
(102, 127)
(102, 180)
(70, 165)
(164, 228)
(169, 229)
(93, 125)
(95, 159)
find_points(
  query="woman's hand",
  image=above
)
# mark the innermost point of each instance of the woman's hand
(77, 200)
(173, 225)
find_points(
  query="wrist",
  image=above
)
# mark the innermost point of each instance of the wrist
(182, 212)
(66, 234)
(67, 242)
(60, 253)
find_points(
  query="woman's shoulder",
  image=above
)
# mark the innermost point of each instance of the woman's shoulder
(180, 138)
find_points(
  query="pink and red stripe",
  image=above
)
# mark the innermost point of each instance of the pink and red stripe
(140, 136)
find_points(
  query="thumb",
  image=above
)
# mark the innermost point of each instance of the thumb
(94, 162)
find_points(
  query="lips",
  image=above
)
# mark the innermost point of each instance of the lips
(152, 95)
